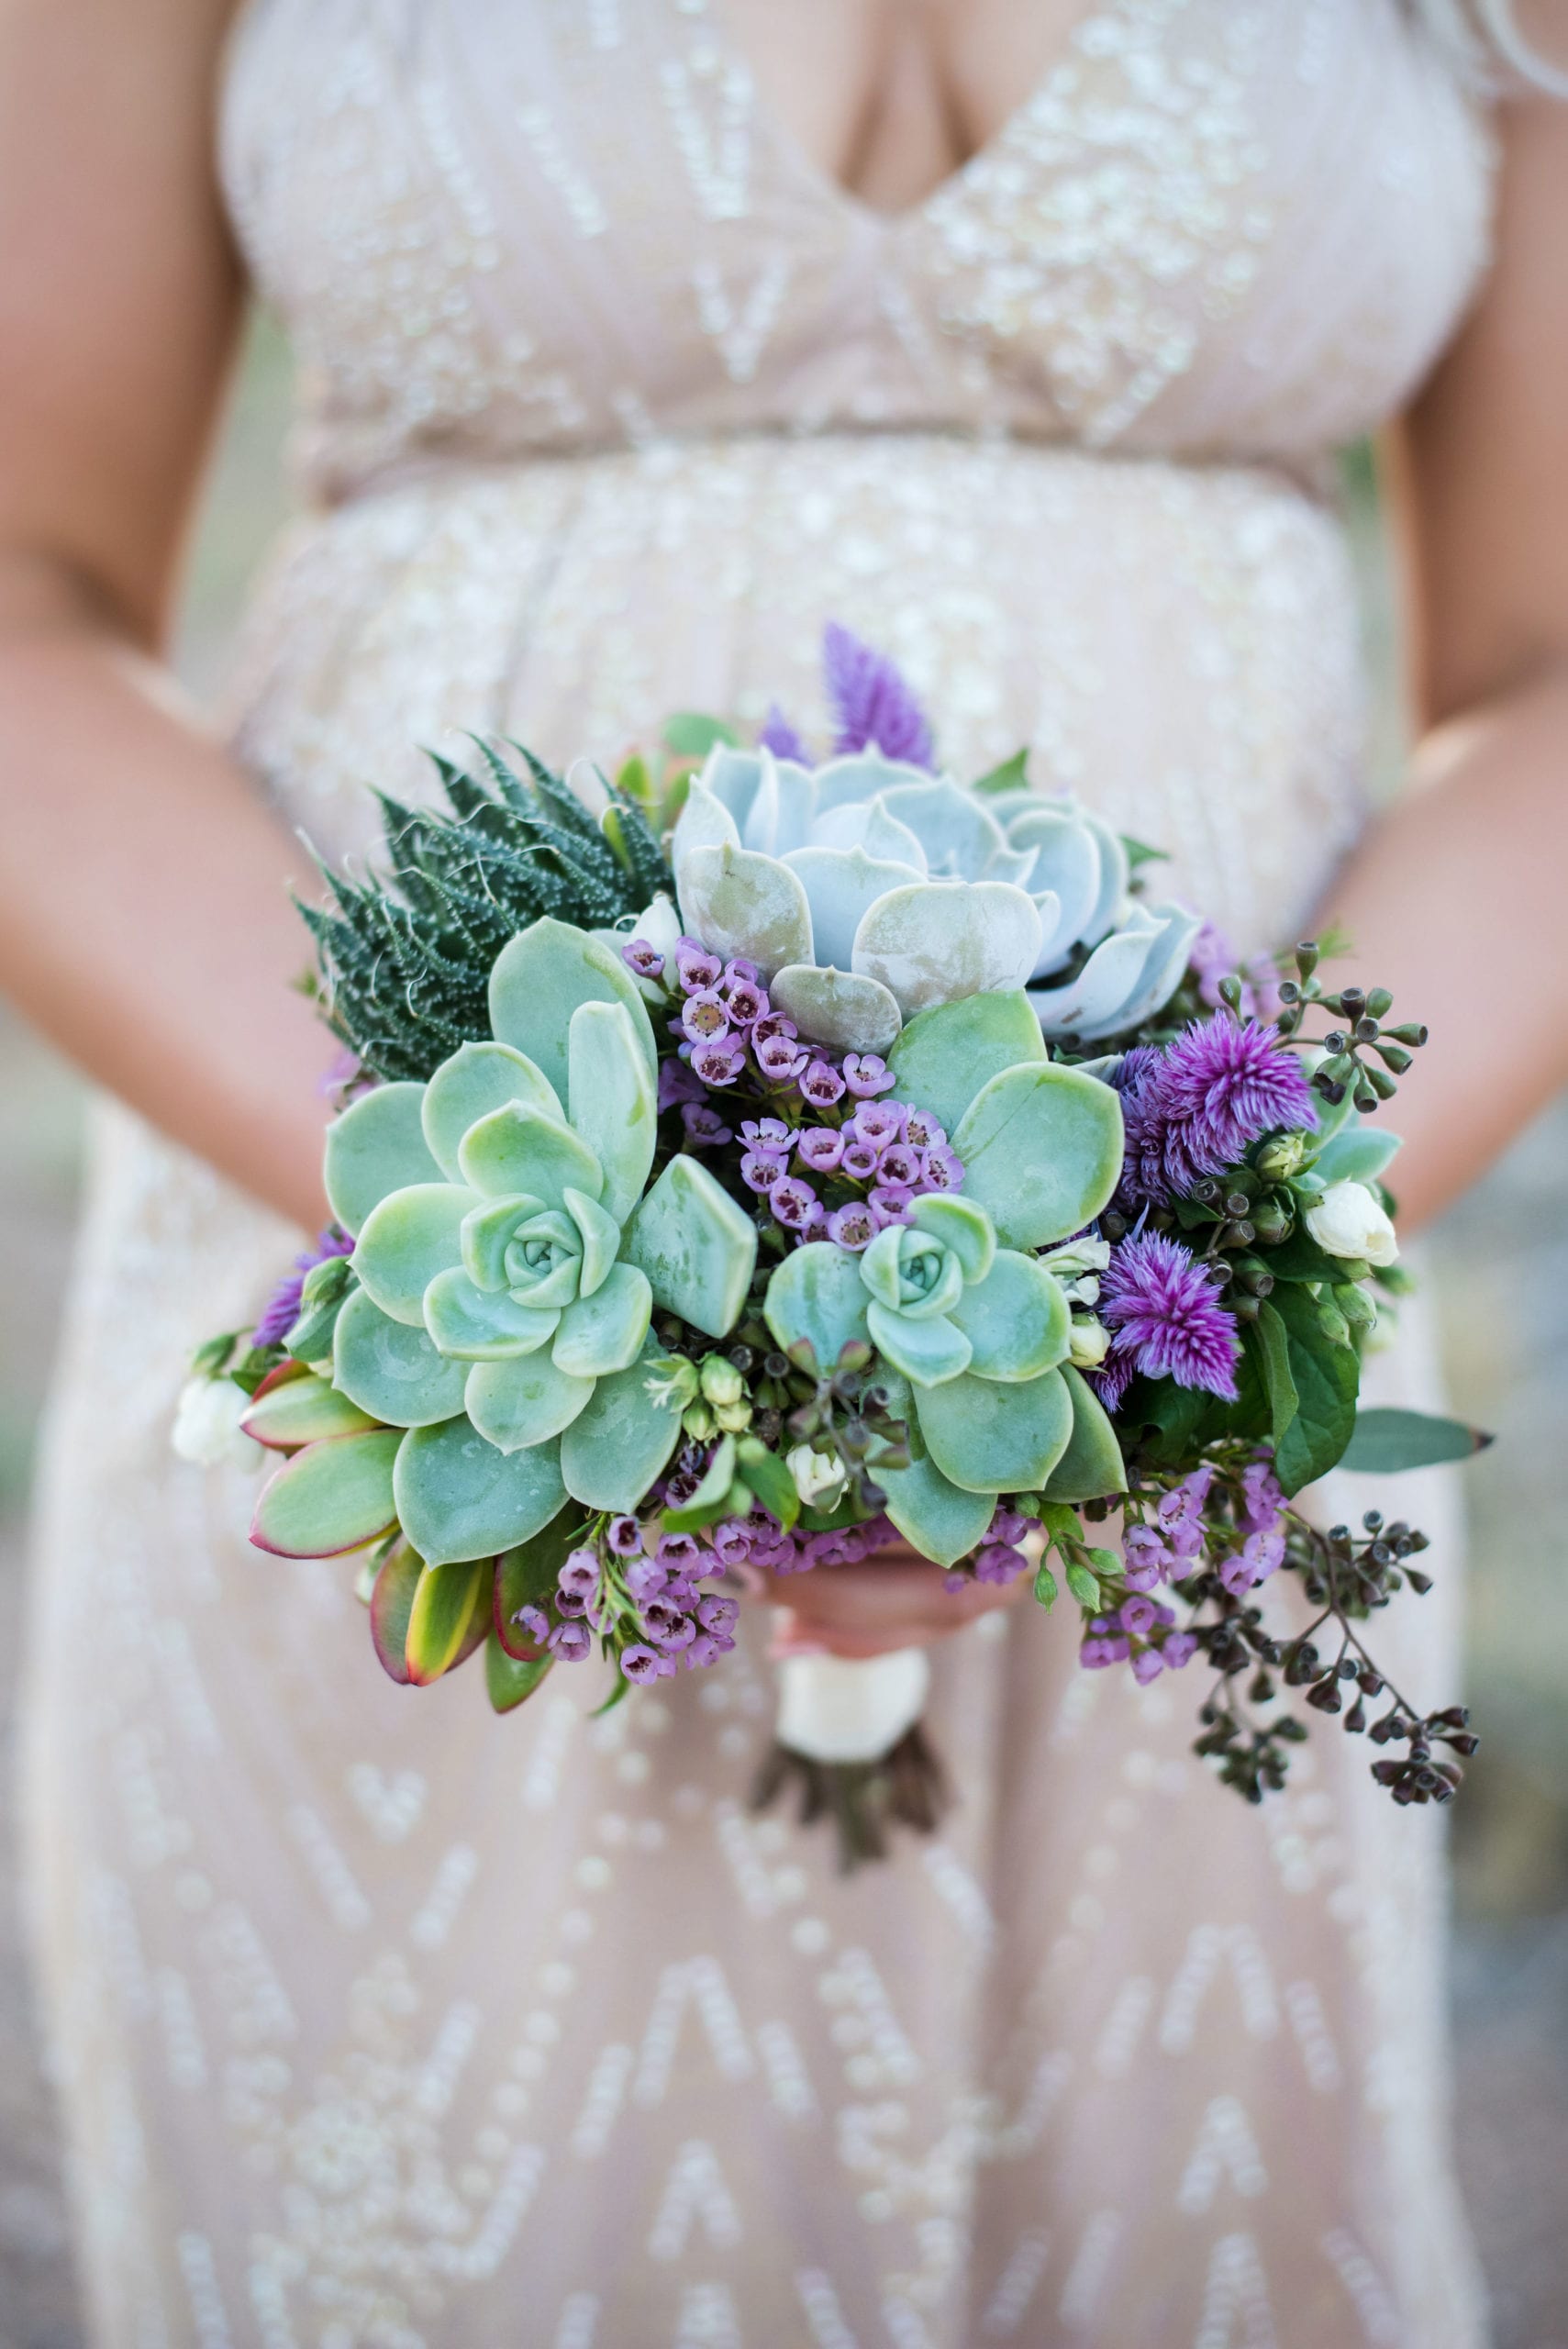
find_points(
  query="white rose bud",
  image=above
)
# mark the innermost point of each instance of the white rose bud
(1089, 1344)
(206, 1429)
(1349, 1221)
(818, 1480)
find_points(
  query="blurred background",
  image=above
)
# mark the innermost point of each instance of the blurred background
(1500, 1270)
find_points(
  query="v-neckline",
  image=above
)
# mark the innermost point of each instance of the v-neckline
(831, 191)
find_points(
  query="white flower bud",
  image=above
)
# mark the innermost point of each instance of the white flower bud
(1085, 1255)
(843, 1709)
(206, 1429)
(660, 925)
(1349, 1221)
(1089, 1343)
(818, 1480)
(732, 1419)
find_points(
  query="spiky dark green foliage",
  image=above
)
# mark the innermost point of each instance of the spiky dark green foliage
(406, 955)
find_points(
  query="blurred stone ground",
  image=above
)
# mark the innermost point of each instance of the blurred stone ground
(1501, 1274)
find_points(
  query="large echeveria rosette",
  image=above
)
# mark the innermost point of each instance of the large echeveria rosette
(510, 1256)
(970, 1327)
(867, 891)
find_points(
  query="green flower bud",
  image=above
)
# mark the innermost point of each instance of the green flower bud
(674, 1382)
(698, 1421)
(1089, 1343)
(1280, 1158)
(733, 1419)
(721, 1383)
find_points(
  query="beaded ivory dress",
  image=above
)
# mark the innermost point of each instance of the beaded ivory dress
(384, 2022)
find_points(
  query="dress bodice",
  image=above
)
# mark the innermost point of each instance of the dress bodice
(497, 227)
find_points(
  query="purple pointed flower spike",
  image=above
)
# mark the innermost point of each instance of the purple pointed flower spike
(780, 737)
(872, 701)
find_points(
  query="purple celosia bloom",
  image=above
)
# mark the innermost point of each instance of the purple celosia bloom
(535, 1622)
(822, 1084)
(719, 1061)
(821, 1148)
(572, 1641)
(779, 736)
(645, 960)
(854, 1226)
(1160, 1303)
(903, 1165)
(639, 1663)
(1195, 1108)
(944, 1170)
(704, 1016)
(706, 1129)
(780, 1057)
(696, 967)
(758, 1173)
(872, 701)
(866, 1074)
(282, 1310)
(625, 1537)
(890, 1202)
(792, 1202)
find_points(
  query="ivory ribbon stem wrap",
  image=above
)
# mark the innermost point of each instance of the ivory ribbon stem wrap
(848, 1708)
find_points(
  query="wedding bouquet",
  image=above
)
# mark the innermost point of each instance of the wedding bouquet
(884, 1160)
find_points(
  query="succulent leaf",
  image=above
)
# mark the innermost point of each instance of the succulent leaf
(1041, 1149)
(300, 1410)
(939, 1518)
(331, 1497)
(377, 1145)
(927, 1353)
(392, 1603)
(961, 1226)
(603, 1333)
(477, 1079)
(847, 1013)
(459, 1496)
(540, 979)
(448, 1618)
(523, 1402)
(937, 939)
(946, 1055)
(619, 1441)
(696, 1244)
(473, 1324)
(391, 1370)
(508, 1681)
(739, 903)
(1016, 1319)
(408, 1239)
(817, 1295)
(516, 1150)
(991, 1438)
(1091, 1468)
(612, 1101)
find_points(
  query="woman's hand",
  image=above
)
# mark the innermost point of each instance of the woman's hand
(896, 1599)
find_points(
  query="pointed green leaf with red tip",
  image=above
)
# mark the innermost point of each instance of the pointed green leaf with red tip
(392, 1602)
(448, 1619)
(333, 1496)
(300, 1410)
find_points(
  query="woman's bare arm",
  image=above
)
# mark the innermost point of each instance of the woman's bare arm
(1456, 900)
(144, 918)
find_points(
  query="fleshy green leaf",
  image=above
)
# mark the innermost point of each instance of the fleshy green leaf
(538, 982)
(329, 1498)
(817, 1295)
(739, 903)
(487, 1233)
(612, 1101)
(600, 1236)
(1326, 1377)
(837, 1009)
(302, 1410)
(1387, 1441)
(1091, 1468)
(961, 1225)
(927, 1353)
(1041, 1148)
(458, 1496)
(946, 1054)
(525, 1576)
(516, 1405)
(377, 1145)
(1016, 1319)
(936, 1517)
(604, 1333)
(520, 1150)
(477, 1079)
(769, 1479)
(996, 1439)
(619, 1441)
(407, 1240)
(448, 1618)
(933, 941)
(392, 1603)
(691, 734)
(483, 1325)
(696, 1245)
(391, 1370)
(509, 1682)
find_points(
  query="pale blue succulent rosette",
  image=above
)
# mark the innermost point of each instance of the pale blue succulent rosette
(509, 1255)
(867, 891)
(972, 1327)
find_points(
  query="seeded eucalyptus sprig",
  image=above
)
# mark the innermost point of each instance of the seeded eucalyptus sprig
(406, 955)
(1348, 1065)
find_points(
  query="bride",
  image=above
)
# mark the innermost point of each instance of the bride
(636, 339)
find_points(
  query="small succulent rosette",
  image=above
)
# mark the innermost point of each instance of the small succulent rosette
(866, 890)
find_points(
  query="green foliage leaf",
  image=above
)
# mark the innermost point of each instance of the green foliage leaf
(1090, 1468)
(331, 1497)
(1013, 774)
(691, 734)
(1269, 1337)
(510, 1681)
(1385, 1441)
(1327, 1377)
(769, 1479)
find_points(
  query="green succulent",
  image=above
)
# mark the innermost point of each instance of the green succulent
(509, 1257)
(972, 1328)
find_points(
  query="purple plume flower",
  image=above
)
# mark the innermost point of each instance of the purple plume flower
(779, 736)
(1195, 1108)
(282, 1310)
(872, 701)
(1168, 1322)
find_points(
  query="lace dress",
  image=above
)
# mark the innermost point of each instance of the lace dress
(381, 2022)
